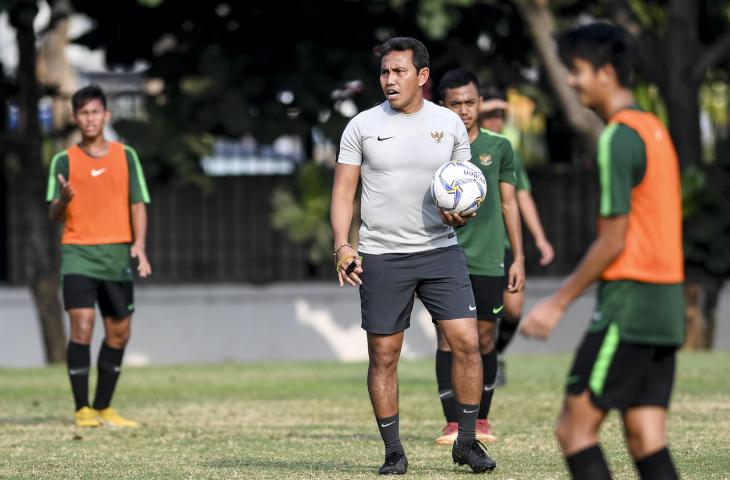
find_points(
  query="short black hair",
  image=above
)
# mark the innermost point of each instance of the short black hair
(458, 77)
(87, 94)
(599, 44)
(401, 44)
(493, 93)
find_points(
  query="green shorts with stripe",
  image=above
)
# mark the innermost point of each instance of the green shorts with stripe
(622, 375)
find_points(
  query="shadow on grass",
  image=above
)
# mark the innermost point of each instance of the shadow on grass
(297, 465)
(27, 421)
(312, 467)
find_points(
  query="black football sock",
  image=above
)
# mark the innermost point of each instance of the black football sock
(78, 359)
(109, 366)
(588, 464)
(657, 466)
(443, 380)
(489, 369)
(390, 433)
(467, 417)
(507, 329)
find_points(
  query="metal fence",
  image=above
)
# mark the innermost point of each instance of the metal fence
(226, 235)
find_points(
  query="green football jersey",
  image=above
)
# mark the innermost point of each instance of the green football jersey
(106, 261)
(482, 237)
(645, 313)
(523, 183)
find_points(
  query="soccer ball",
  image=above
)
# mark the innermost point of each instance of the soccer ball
(459, 187)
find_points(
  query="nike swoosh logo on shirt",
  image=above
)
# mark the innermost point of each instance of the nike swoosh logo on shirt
(497, 310)
(96, 173)
(384, 138)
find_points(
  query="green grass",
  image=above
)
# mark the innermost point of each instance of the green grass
(313, 420)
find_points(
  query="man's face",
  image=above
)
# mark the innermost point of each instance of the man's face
(492, 120)
(465, 102)
(91, 118)
(400, 81)
(587, 82)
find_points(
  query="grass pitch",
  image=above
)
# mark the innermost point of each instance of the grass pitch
(313, 420)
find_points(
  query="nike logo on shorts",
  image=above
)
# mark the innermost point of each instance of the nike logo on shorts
(380, 139)
(388, 424)
(497, 310)
(472, 308)
(96, 172)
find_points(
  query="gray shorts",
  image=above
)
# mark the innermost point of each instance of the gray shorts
(389, 282)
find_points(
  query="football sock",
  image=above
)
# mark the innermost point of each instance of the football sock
(588, 464)
(657, 466)
(443, 380)
(489, 369)
(78, 359)
(507, 329)
(467, 418)
(390, 433)
(109, 366)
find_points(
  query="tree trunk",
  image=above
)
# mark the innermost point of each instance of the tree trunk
(682, 89)
(684, 119)
(41, 270)
(701, 293)
(586, 124)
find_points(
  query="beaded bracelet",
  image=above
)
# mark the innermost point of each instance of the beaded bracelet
(338, 248)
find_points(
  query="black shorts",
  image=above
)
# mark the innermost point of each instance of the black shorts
(390, 281)
(622, 375)
(488, 293)
(116, 299)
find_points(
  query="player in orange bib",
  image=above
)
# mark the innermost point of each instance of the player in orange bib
(98, 190)
(626, 360)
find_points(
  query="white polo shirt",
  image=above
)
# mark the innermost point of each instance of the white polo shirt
(399, 154)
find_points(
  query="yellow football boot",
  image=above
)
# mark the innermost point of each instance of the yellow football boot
(109, 416)
(86, 417)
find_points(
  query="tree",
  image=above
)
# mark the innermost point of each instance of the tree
(236, 68)
(38, 240)
(706, 199)
(541, 22)
(677, 43)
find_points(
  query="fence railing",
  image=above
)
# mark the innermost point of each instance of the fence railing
(226, 235)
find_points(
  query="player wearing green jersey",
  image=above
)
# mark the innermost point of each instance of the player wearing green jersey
(97, 189)
(626, 360)
(483, 242)
(492, 117)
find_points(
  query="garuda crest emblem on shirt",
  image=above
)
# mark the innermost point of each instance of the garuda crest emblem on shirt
(485, 159)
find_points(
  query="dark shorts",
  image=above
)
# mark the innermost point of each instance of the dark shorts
(488, 293)
(622, 375)
(115, 299)
(390, 281)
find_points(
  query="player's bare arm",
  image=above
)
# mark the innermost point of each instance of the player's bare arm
(528, 211)
(511, 214)
(139, 226)
(545, 316)
(57, 208)
(343, 197)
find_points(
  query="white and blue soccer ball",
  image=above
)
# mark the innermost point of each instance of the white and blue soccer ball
(459, 187)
